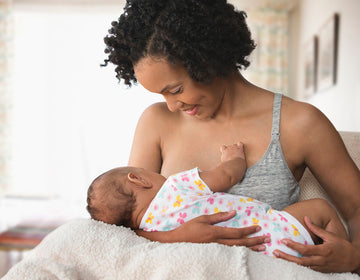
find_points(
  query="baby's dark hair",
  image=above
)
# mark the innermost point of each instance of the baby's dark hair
(108, 202)
(208, 37)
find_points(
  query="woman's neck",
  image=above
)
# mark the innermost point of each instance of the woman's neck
(236, 96)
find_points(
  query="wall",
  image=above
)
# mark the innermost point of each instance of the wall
(340, 103)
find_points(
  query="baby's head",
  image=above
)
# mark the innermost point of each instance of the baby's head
(108, 200)
(121, 195)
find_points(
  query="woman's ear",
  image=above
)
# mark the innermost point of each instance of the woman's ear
(138, 180)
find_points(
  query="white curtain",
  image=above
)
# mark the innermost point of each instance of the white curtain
(269, 25)
(269, 68)
(5, 104)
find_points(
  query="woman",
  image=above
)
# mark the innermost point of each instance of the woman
(190, 51)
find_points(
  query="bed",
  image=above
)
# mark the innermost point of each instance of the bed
(87, 249)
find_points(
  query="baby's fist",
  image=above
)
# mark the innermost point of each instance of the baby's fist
(229, 152)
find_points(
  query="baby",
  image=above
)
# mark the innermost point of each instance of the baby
(146, 200)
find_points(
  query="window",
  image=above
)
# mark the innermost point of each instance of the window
(72, 120)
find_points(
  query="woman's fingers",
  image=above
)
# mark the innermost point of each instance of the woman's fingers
(258, 248)
(334, 255)
(233, 233)
(305, 250)
(323, 234)
(238, 237)
(233, 236)
(230, 232)
(304, 261)
(254, 243)
(216, 218)
(317, 263)
(212, 233)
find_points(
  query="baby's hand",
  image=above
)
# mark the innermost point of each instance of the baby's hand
(232, 151)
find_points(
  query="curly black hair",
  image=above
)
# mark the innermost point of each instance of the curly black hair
(208, 37)
(111, 204)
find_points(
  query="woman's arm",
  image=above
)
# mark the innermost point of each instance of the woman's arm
(326, 156)
(202, 230)
(146, 149)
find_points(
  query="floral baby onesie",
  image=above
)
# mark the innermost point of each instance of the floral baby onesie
(184, 196)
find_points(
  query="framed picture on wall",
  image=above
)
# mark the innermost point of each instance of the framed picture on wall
(327, 53)
(311, 66)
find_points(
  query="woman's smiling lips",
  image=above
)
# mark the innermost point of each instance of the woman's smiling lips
(191, 111)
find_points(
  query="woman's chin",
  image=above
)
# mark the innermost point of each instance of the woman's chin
(204, 117)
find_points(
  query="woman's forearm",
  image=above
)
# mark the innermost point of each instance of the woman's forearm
(201, 230)
(160, 236)
(354, 234)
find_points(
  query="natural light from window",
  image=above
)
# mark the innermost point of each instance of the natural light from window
(71, 118)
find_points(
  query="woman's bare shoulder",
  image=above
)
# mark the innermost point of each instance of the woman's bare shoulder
(156, 109)
(150, 129)
(156, 119)
(158, 112)
(302, 115)
(307, 127)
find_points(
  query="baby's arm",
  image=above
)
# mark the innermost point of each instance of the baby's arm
(229, 172)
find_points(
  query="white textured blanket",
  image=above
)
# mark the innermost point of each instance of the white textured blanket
(86, 249)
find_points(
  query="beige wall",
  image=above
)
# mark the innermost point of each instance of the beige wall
(341, 103)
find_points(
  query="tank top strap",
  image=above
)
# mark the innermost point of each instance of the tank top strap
(275, 131)
(270, 180)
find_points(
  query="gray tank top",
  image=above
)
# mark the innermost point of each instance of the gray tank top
(270, 179)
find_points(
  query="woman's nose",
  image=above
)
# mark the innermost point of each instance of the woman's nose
(173, 105)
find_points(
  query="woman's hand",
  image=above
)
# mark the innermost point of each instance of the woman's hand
(202, 230)
(334, 255)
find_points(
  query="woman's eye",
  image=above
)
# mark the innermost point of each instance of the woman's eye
(177, 90)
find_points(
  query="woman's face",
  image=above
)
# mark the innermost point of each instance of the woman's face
(179, 90)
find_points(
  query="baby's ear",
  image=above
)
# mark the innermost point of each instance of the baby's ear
(138, 180)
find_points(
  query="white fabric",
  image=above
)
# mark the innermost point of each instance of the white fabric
(185, 196)
(87, 249)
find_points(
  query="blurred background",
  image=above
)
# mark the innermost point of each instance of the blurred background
(64, 119)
